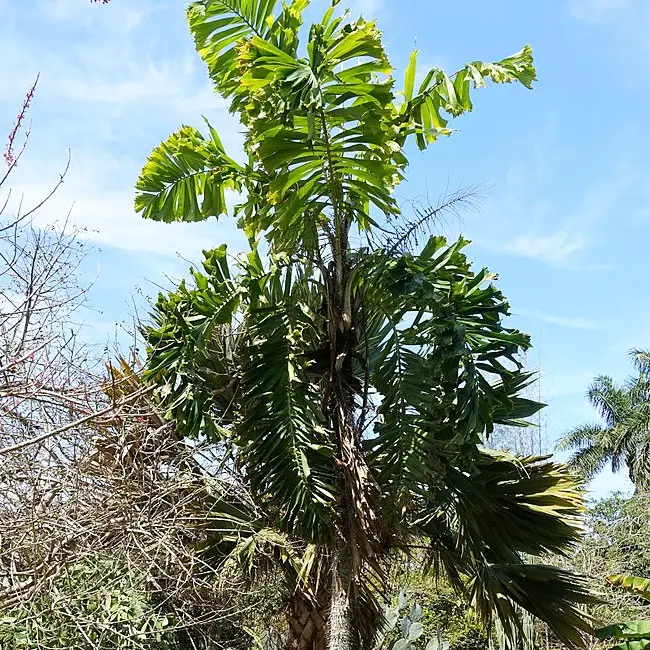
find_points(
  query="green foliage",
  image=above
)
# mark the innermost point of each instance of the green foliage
(100, 603)
(401, 631)
(353, 386)
(447, 618)
(634, 634)
(405, 632)
(325, 127)
(624, 439)
(615, 544)
(188, 175)
(617, 540)
(632, 584)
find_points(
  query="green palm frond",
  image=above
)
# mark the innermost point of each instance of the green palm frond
(553, 595)
(499, 509)
(610, 400)
(441, 329)
(194, 350)
(283, 434)
(444, 555)
(639, 464)
(232, 356)
(441, 97)
(592, 459)
(641, 360)
(326, 128)
(186, 177)
(507, 506)
(219, 26)
(581, 436)
(625, 436)
(307, 136)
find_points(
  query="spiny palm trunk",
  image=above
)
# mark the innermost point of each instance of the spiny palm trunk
(342, 635)
(357, 526)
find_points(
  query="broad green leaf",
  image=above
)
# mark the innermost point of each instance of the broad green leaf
(185, 178)
(409, 76)
(635, 630)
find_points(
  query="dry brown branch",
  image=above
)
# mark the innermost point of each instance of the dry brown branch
(94, 478)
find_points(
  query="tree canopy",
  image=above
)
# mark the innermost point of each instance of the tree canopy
(623, 439)
(352, 374)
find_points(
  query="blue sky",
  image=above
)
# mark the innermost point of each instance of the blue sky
(565, 221)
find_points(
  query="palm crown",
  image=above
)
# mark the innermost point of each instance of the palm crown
(624, 437)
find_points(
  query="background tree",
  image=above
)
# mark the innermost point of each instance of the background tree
(616, 542)
(354, 385)
(103, 510)
(624, 439)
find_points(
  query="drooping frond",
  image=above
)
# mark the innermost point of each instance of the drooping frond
(506, 506)
(592, 459)
(442, 361)
(582, 436)
(553, 595)
(440, 96)
(633, 635)
(283, 434)
(194, 348)
(232, 356)
(485, 516)
(632, 584)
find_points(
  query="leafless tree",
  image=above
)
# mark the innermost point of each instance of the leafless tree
(91, 471)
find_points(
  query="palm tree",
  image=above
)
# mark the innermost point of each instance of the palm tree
(352, 384)
(624, 437)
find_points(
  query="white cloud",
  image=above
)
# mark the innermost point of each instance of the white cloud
(367, 8)
(565, 383)
(572, 322)
(107, 217)
(555, 248)
(594, 11)
(111, 92)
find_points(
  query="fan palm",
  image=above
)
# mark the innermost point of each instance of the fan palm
(354, 384)
(623, 440)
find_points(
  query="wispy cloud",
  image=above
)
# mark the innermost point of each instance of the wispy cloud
(555, 248)
(367, 8)
(107, 217)
(564, 383)
(109, 94)
(572, 322)
(560, 234)
(595, 11)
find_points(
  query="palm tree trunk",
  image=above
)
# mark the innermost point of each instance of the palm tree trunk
(341, 634)
(307, 629)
